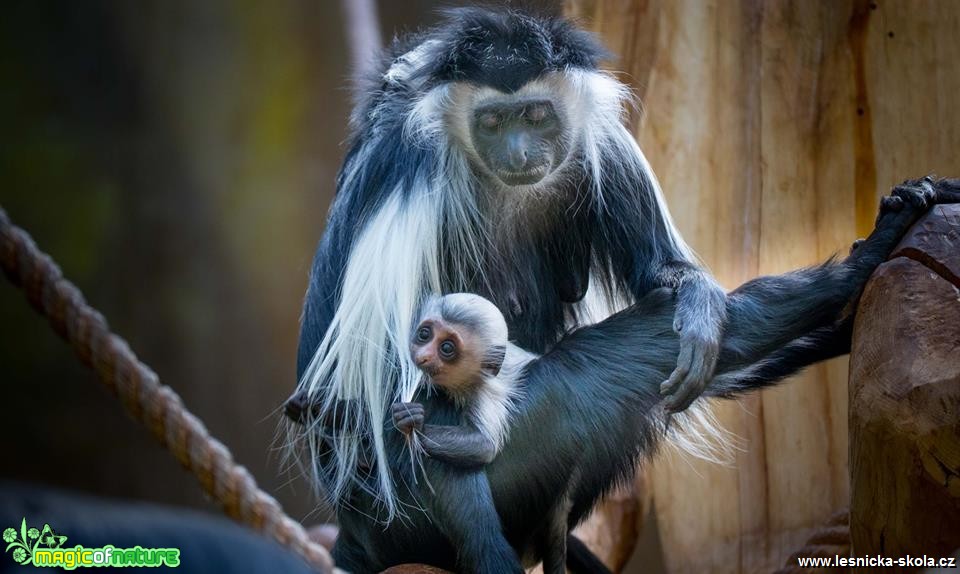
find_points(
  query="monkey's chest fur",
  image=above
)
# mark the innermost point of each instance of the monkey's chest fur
(538, 261)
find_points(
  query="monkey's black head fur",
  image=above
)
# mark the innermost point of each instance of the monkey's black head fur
(505, 49)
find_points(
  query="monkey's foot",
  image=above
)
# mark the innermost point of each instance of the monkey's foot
(919, 195)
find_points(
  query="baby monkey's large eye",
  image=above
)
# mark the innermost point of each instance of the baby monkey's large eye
(448, 350)
(424, 334)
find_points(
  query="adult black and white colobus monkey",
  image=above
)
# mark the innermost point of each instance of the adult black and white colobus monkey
(488, 156)
(589, 410)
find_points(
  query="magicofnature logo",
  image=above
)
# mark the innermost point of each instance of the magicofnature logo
(43, 548)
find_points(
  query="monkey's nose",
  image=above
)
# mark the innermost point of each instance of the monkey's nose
(518, 159)
(422, 359)
(517, 152)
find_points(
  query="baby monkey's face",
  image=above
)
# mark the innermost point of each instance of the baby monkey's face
(447, 353)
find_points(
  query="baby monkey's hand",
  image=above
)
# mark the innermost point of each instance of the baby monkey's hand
(407, 417)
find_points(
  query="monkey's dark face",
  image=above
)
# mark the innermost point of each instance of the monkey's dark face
(520, 141)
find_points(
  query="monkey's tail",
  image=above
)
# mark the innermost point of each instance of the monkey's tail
(819, 345)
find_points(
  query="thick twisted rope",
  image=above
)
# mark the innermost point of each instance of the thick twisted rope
(148, 401)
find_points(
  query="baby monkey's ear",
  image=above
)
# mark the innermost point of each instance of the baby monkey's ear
(493, 360)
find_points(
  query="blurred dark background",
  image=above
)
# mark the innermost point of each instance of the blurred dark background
(177, 159)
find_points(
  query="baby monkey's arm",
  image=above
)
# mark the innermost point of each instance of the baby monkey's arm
(463, 445)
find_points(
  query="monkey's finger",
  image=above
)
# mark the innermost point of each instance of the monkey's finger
(676, 377)
(407, 408)
(889, 204)
(704, 360)
(407, 423)
(680, 373)
(689, 392)
(403, 410)
(411, 416)
(947, 191)
(403, 423)
(692, 385)
(407, 415)
(917, 194)
(408, 405)
(684, 389)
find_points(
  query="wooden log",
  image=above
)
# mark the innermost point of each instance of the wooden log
(905, 398)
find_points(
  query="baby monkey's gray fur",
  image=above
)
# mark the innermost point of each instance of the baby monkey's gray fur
(461, 345)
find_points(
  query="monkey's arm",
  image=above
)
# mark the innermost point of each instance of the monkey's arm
(645, 249)
(821, 344)
(462, 446)
(300, 410)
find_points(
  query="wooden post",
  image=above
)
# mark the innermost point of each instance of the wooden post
(905, 398)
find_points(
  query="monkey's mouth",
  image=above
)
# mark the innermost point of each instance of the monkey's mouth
(430, 370)
(528, 176)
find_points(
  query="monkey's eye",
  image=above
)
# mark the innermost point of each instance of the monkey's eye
(489, 120)
(448, 350)
(424, 334)
(536, 113)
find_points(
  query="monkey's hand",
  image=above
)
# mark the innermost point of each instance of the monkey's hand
(698, 321)
(407, 417)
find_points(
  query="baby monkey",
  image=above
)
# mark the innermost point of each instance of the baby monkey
(460, 343)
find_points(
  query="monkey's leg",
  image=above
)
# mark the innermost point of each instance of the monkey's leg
(462, 507)
(554, 542)
(555, 547)
(770, 312)
(581, 560)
